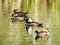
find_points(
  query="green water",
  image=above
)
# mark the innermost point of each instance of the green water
(15, 33)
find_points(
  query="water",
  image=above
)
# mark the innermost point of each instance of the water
(16, 34)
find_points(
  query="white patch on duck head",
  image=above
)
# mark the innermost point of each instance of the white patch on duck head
(29, 20)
